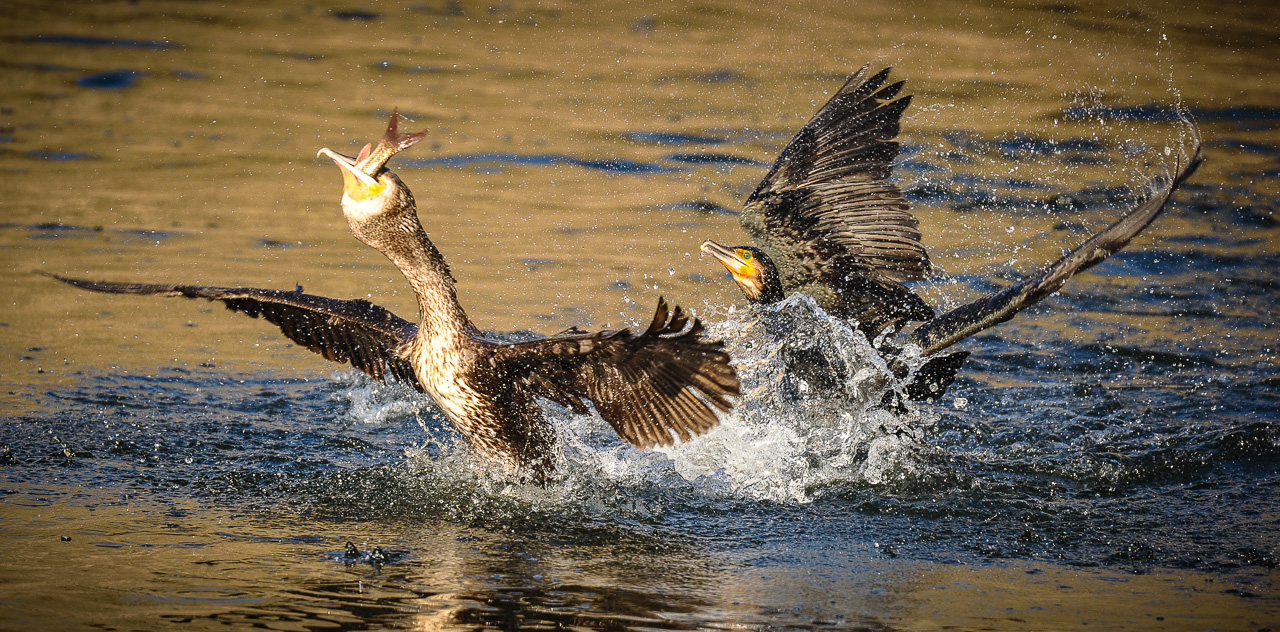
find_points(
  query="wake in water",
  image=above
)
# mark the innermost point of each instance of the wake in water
(810, 418)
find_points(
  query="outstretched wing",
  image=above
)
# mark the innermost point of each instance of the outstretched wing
(998, 307)
(825, 209)
(357, 332)
(666, 380)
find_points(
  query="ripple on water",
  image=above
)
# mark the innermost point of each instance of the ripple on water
(983, 473)
(110, 80)
(615, 165)
(673, 138)
(88, 40)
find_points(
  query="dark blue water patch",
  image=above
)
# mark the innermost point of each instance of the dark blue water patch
(1021, 145)
(188, 74)
(1160, 358)
(293, 54)
(614, 165)
(52, 230)
(1214, 239)
(386, 64)
(1159, 113)
(429, 70)
(355, 15)
(57, 230)
(1103, 196)
(1252, 147)
(110, 80)
(269, 243)
(1153, 260)
(1251, 217)
(248, 443)
(1018, 184)
(700, 206)
(535, 263)
(1151, 113)
(620, 165)
(673, 138)
(718, 75)
(86, 40)
(60, 156)
(920, 166)
(1244, 206)
(970, 192)
(716, 159)
(1085, 160)
(1026, 147)
(908, 149)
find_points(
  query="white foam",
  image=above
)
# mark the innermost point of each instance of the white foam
(808, 420)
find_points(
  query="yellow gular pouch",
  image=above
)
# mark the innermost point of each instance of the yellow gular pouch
(357, 190)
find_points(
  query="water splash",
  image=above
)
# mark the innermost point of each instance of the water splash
(810, 417)
(810, 420)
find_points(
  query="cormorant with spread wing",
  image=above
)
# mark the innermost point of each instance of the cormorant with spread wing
(665, 383)
(827, 222)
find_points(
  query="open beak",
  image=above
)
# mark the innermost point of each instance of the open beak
(357, 184)
(737, 267)
(360, 174)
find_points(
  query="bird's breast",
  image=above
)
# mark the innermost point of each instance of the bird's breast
(447, 373)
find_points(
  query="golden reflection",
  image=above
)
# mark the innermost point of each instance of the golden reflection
(142, 562)
(213, 144)
(202, 170)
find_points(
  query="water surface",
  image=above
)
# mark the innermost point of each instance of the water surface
(1109, 459)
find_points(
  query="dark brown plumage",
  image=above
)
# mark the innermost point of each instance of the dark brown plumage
(665, 384)
(832, 226)
(354, 332)
(829, 219)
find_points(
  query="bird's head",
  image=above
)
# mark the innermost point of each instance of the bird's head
(751, 269)
(369, 190)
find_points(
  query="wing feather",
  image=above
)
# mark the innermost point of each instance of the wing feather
(357, 332)
(827, 196)
(664, 384)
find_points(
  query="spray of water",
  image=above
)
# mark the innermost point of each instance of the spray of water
(810, 419)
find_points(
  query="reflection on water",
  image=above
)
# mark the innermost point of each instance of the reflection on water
(1104, 460)
(213, 567)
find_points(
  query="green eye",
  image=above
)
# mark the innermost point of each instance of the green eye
(746, 255)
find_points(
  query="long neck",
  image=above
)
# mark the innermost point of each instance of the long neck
(401, 238)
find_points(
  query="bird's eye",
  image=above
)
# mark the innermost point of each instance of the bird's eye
(746, 255)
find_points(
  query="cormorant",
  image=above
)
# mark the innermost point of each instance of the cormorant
(826, 222)
(665, 383)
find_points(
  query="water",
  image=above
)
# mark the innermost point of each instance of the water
(1108, 459)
